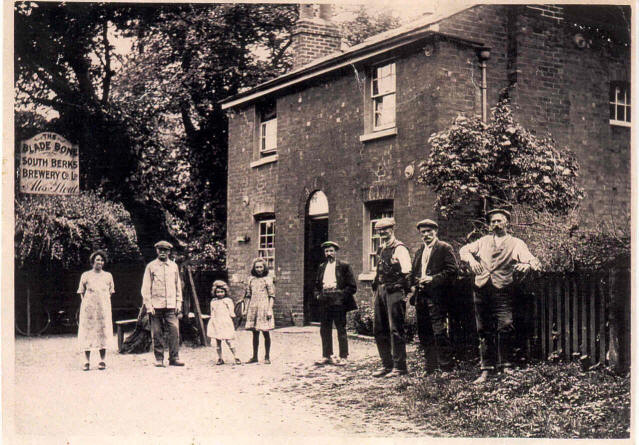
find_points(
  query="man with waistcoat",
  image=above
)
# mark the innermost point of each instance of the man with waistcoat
(335, 288)
(494, 259)
(390, 286)
(434, 268)
(162, 297)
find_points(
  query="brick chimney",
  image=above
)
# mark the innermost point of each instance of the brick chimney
(315, 34)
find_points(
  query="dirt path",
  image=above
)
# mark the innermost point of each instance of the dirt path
(132, 398)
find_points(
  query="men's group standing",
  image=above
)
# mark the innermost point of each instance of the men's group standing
(427, 283)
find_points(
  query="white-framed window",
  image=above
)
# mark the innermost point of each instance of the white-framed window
(268, 128)
(375, 211)
(620, 103)
(266, 241)
(383, 89)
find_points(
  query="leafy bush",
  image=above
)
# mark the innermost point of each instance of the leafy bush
(62, 231)
(471, 161)
(562, 245)
(361, 320)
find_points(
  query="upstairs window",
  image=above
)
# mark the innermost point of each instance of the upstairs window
(383, 90)
(268, 128)
(620, 103)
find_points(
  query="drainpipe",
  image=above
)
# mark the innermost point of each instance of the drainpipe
(484, 55)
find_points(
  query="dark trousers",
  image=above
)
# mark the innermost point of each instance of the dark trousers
(328, 316)
(495, 329)
(431, 330)
(165, 320)
(388, 328)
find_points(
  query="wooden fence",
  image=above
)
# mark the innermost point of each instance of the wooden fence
(576, 316)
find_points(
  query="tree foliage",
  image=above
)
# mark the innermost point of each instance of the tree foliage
(185, 59)
(365, 25)
(62, 231)
(149, 126)
(501, 161)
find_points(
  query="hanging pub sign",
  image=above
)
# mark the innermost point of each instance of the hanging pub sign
(49, 165)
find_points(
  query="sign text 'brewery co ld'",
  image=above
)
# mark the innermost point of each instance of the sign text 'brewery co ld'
(49, 164)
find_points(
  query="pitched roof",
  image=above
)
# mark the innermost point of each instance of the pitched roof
(426, 25)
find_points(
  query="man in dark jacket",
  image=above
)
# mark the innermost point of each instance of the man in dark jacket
(335, 288)
(434, 268)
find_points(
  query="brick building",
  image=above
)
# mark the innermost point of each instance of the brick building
(324, 150)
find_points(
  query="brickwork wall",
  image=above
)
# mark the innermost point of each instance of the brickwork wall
(558, 89)
(313, 38)
(554, 85)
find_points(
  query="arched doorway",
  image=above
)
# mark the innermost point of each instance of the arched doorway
(316, 232)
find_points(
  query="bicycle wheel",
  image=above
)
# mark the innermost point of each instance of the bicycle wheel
(31, 317)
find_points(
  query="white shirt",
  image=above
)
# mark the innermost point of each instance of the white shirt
(426, 256)
(330, 280)
(401, 254)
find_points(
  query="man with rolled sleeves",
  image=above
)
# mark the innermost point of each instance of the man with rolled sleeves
(494, 259)
(390, 286)
(162, 297)
(434, 268)
(335, 288)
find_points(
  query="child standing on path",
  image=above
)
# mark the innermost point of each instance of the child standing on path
(259, 298)
(221, 325)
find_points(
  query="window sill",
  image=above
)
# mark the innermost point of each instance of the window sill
(264, 160)
(366, 276)
(620, 123)
(378, 134)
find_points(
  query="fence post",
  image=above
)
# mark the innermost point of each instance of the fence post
(616, 317)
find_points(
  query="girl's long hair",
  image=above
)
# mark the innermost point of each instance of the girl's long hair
(254, 272)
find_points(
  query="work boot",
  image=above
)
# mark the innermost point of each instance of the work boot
(483, 377)
(176, 363)
(381, 372)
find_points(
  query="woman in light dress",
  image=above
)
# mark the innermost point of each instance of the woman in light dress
(96, 327)
(259, 299)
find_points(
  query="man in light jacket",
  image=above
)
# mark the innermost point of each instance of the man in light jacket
(162, 297)
(494, 259)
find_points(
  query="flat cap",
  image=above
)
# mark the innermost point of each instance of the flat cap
(506, 213)
(330, 244)
(427, 223)
(385, 223)
(163, 245)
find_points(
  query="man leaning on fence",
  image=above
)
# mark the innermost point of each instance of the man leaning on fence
(494, 259)
(162, 297)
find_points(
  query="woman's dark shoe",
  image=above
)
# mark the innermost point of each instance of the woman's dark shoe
(267, 361)
(238, 361)
(252, 360)
(86, 366)
(101, 365)
(220, 361)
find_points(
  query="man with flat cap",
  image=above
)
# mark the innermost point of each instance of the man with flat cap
(494, 259)
(390, 286)
(162, 297)
(434, 268)
(335, 288)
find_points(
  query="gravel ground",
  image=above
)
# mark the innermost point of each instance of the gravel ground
(56, 402)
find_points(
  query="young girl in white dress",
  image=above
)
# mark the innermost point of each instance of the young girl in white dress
(221, 326)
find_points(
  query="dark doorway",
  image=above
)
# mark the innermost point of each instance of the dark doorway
(316, 232)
